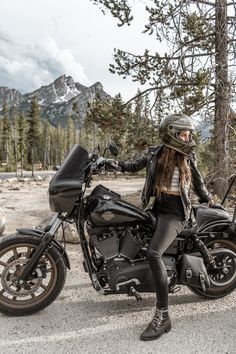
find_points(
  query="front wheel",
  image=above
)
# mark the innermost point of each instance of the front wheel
(40, 288)
(225, 283)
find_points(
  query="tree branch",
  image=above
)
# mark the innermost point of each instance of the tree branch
(205, 2)
(161, 88)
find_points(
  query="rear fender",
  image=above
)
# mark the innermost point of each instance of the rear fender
(55, 243)
(223, 227)
(215, 226)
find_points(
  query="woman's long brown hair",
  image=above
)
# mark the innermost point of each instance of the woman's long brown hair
(166, 163)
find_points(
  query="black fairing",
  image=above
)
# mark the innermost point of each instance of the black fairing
(66, 185)
(104, 210)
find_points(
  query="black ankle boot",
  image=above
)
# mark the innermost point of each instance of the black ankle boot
(158, 326)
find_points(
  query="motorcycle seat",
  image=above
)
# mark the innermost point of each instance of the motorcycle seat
(204, 215)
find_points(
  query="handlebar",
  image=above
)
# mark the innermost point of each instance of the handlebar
(103, 163)
(114, 166)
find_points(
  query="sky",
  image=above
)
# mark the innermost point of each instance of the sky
(43, 39)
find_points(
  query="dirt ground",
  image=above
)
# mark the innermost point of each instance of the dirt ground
(25, 202)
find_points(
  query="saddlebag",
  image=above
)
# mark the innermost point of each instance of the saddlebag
(193, 272)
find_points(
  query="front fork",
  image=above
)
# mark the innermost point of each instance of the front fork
(44, 243)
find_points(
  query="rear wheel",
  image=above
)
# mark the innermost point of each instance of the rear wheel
(223, 283)
(40, 288)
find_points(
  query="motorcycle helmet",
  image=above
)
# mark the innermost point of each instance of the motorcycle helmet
(170, 128)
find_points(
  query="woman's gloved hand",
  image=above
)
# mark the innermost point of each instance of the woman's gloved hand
(112, 165)
(213, 204)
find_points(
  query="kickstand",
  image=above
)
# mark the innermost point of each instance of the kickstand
(133, 292)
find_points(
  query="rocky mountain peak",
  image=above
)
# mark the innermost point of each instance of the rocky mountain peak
(56, 99)
(61, 90)
(10, 96)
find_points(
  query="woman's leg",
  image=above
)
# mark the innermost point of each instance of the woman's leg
(168, 227)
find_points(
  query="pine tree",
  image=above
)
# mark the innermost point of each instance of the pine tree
(59, 143)
(22, 133)
(117, 115)
(137, 129)
(15, 137)
(6, 135)
(76, 116)
(46, 143)
(34, 132)
(70, 128)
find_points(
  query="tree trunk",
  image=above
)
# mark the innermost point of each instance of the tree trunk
(21, 163)
(16, 154)
(32, 161)
(221, 98)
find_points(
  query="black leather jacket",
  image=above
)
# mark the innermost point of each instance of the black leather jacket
(150, 162)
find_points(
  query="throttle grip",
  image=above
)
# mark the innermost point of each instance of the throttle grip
(112, 164)
(115, 166)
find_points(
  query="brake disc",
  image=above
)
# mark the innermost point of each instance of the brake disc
(10, 278)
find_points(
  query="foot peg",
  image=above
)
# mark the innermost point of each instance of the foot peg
(174, 289)
(133, 292)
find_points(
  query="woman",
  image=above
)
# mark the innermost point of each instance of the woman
(171, 169)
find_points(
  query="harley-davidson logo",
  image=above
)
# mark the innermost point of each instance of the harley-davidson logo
(108, 215)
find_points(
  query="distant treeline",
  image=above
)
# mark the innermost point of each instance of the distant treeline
(30, 141)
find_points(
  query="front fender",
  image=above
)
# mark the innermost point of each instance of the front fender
(55, 243)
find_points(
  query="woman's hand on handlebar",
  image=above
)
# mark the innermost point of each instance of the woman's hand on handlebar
(213, 204)
(112, 165)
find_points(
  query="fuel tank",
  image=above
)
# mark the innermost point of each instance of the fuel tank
(106, 210)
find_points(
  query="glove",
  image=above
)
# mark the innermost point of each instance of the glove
(112, 165)
(212, 204)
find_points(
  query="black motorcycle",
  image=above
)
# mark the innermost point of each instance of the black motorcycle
(114, 236)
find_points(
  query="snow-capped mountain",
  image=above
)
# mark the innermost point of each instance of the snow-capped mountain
(56, 99)
(61, 90)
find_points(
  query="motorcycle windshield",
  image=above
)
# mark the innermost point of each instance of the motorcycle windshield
(66, 185)
(75, 164)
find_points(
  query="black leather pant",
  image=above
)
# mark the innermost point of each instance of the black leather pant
(168, 227)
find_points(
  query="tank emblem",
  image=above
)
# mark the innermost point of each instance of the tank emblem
(108, 215)
(106, 197)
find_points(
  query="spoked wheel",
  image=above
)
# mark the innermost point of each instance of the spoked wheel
(224, 281)
(40, 288)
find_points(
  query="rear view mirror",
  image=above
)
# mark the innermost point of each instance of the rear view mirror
(113, 148)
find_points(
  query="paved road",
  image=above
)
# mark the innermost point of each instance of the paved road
(82, 321)
(6, 175)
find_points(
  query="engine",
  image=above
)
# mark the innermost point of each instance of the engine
(113, 242)
(119, 253)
